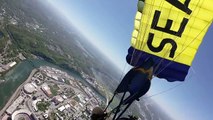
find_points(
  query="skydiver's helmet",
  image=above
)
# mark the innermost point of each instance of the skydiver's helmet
(147, 64)
(98, 114)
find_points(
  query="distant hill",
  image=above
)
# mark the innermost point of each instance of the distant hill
(38, 29)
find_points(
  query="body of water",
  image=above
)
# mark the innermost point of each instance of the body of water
(17, 75)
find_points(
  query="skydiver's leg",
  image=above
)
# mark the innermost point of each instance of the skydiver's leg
(123, 86)
(118, 107)
(124, 110)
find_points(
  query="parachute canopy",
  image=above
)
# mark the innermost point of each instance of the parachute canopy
(170, 32)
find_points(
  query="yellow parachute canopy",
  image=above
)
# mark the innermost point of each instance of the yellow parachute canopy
(170, 29)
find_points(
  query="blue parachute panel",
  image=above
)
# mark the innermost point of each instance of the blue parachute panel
(163, 68)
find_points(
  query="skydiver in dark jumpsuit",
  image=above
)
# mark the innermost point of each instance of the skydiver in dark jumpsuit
(137, 82)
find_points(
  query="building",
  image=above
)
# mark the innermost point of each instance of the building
(22, 114)
(46, 89)
(29, 88)
(64, 97)
(11, 64)
(67, 106)
(14, 105)
(5, 117)
(73, 102)
(57, 99)
(34, 104)
(62, 108)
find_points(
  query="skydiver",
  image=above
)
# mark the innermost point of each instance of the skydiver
(137, 81)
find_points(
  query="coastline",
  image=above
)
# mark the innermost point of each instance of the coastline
(16, 93)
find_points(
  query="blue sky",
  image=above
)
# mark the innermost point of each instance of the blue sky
(104, 23)
(108, 24)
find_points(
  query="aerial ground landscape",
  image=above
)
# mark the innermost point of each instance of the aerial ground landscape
(49, 70)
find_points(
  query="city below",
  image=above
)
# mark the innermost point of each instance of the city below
(49, 93)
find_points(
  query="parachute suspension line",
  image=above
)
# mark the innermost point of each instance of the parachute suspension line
(110, 102)
(167, 90)
(124, 111)
(118, 107)
(140, 54)
(161, 61)
(148, 20)
(131, 61)
(142, 37)
(142, 45)
(164, 91)
(158, 65)
(122, 74)
(193, 23)
(115, 93)
(183, 49)
(121, 103)
(193, 70)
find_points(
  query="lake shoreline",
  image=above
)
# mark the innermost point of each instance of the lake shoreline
(16, 93)
(19, 74)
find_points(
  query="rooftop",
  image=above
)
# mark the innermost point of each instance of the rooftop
(29, 88)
